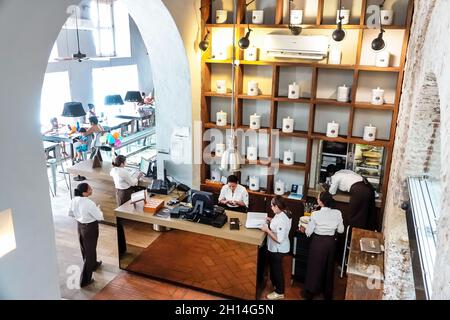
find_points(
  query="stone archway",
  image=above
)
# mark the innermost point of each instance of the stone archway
(28, 30)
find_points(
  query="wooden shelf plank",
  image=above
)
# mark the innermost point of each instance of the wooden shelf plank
(295, 134)
(322, 136)
(215, 94)
(369, 106)
(259, 162)
(262, 129)
(379, 143)
(332, 102)
(295, 166)
(212, 125)
(258, 97)
(378, 69)
(286, 99)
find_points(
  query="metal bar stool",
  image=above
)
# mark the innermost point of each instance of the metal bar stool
(346, 249)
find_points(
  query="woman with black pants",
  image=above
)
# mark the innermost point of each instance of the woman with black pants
(87, 214)
(322, 229)
(278, 245)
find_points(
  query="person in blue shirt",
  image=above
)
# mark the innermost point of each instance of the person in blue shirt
(82, 145)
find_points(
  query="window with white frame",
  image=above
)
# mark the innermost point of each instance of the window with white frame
(101, 12)
(55, 92)
(113, 80)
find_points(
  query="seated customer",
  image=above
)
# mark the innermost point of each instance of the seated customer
(95, 126)
(322, 229)
(233, 196)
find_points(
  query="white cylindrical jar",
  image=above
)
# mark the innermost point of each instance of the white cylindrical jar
(221, 118)
(288, 125)
(215, 175)
(251, 54)
(280, 187)
(221, 16)
(370, 133)
(288, 158)
(335, 55)
(254, 183)
(258, 16)
(252, 88)
(294, 91)
(220, 148)
(332, 129)
(387, 17)
(221, 86)
(255, 121)
(343, 93)
(377, 96)
(296, 17)
(252, 153)
(345, 14)
(382, 59)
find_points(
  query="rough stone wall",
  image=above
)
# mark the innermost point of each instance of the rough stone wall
(428, 57)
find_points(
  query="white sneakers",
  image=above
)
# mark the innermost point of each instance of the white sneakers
(275, 296)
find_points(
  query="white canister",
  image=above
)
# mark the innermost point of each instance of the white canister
(343, 93)
(335, 55)
(345, 14)
(215, 175)
(370, 133)
(252, 153)
(377, 96)
(221, 86)
(288, 125)
(255, 121)
(294, 91)
(221, 118)
(332, 129)
(280, 187)
(288, 157)
(252, 88)
(296, 17)
(220, 148)
(221, 16)
(387, 17)
(251, 54)
(253, 183)
(258, 16)
(382, 59)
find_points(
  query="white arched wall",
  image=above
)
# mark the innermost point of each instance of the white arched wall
(27, 32)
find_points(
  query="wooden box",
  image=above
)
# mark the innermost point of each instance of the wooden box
(153, 205)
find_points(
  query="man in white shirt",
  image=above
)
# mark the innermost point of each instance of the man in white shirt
(362, 196)
(234, 196)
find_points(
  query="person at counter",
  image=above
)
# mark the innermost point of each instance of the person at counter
(124, 180)
(278, 244)
(234, 196)
(87, 214)
(362, 196)
(322, 229)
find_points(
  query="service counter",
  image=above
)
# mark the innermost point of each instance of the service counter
(220, 260)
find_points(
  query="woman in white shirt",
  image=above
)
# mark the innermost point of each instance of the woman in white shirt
(278, 244)
(87, 214)
(124, 181)
(233, 196)
(322, 230)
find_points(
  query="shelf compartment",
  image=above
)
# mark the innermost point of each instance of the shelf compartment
(252, 106)
(329, 80)
(371, 80)
(330, 11)
(400, 8)
(381, 119)
(262, 75)
(298, 111)
(394, 42)
(298, 74)
(329, 113)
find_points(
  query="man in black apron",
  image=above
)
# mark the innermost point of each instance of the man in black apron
(362, 196)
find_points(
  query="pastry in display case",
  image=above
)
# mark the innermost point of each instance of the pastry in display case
(368, 162)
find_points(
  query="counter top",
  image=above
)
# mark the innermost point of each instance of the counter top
(85, 169)
(244, 235)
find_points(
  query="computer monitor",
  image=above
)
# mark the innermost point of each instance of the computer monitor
(144, 166)
(202, 202)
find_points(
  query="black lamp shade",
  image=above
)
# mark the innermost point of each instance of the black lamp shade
(133, 96)
(112, 100)
(73, 110)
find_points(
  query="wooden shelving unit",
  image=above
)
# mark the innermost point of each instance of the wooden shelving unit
(275, 101)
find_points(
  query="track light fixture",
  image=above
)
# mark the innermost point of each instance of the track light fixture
(204, 44)
(378, 43)
(295, 30)
(339, 34)
(244, 42)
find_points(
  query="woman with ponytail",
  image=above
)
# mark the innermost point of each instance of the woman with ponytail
(278, 244)
(87, 214)
(124, 181)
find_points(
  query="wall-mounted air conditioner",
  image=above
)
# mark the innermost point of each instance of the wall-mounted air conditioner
(301, 47)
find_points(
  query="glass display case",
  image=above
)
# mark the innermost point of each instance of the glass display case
(368, 161)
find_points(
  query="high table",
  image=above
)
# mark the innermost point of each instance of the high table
(63, 137)
(220, 260)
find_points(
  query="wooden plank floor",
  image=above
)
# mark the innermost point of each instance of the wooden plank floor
(111, 282)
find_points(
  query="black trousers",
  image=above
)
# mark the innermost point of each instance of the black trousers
(122, 196)
(362, 206)
(320, 269)
(276, 271)
(88, 237)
